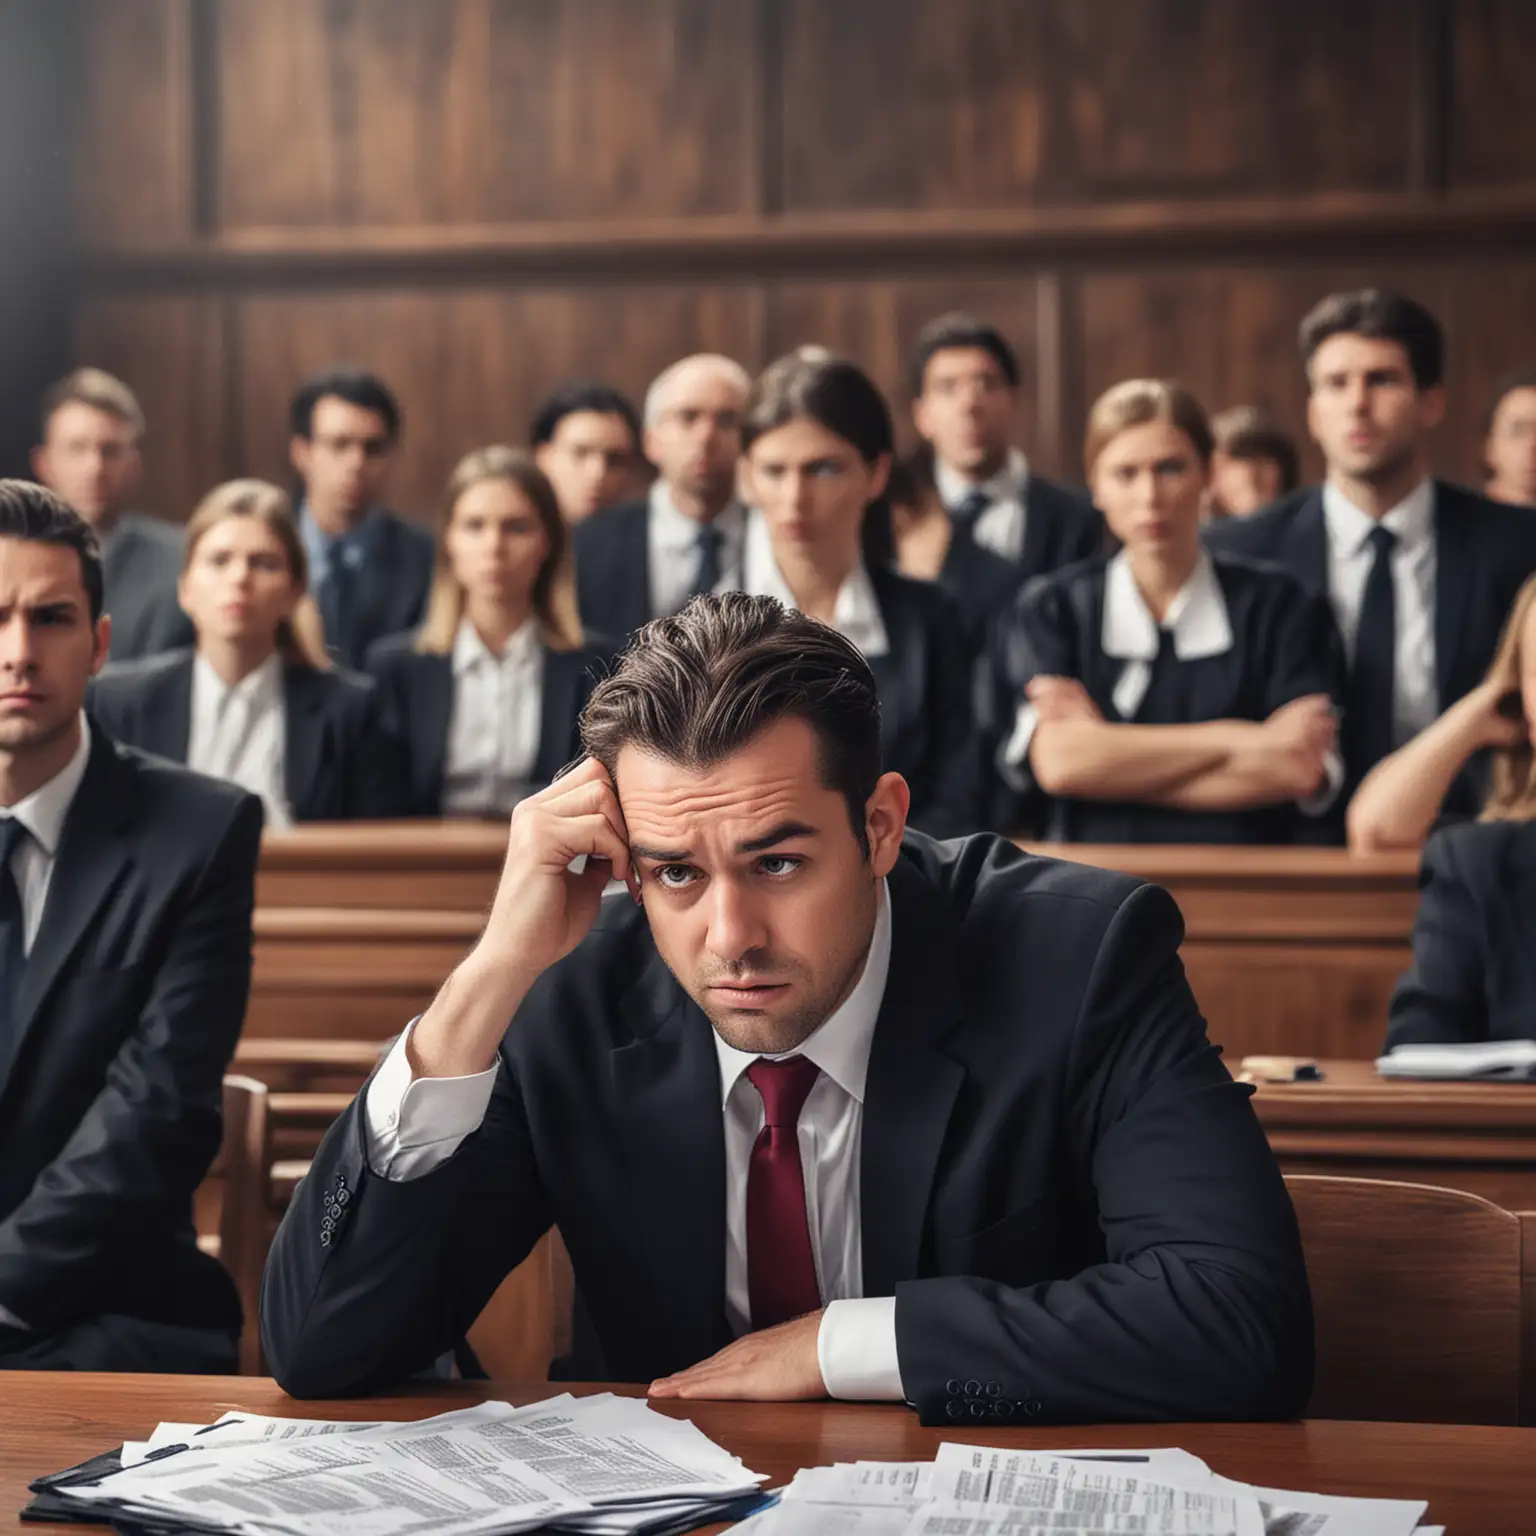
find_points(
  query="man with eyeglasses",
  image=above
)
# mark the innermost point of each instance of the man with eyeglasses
(369, 569)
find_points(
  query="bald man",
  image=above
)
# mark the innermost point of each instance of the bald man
(643, 559)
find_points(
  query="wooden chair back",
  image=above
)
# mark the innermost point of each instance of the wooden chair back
(239, 1172)
(1425, 1302)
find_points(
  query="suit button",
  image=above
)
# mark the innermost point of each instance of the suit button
(978, 1409)
(343, 1194)
(335, 1211)
(953, 1387)
(994, 1389)
(325, 1239)
(341, 1181)
(1034, 1407)
(327, 1223)
(955, 1410)
(1002, 1410)
(973, 1389)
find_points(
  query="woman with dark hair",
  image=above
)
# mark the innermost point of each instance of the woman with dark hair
(489, 690)
(817, 447)
(1164, 694)
(257, 701)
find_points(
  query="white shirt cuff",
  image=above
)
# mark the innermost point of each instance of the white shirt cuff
(1013, 755)
(8, 1319)
(414, 1125)
(1322, 802)
(856, 1350)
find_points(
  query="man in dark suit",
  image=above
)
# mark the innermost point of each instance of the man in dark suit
(370, 569)
(586, 439)
(644, 559)
(826, 1113)
(126, 889)
(964, 381)
(89, 455)
(1420, 573)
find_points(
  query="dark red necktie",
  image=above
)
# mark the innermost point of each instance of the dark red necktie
(781, 1268)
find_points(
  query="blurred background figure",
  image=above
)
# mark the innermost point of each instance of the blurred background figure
(1254, 462)
(1509, 441)
(586, 439)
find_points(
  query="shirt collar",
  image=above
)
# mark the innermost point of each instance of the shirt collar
(318, 544)
(262, 686)
(42, 812)
(471, 652)
(1008, 484)
(675, 531)
(1197, 616)
(839, 1045)
(1412, 519)
(856, 615)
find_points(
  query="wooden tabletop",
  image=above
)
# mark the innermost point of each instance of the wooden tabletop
(1479, 1481)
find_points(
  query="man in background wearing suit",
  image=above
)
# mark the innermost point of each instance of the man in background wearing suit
(586, 439)
(126, 889)
(1420, 573)
(369, 569)
(822, 1111)
(964, 381)
(644, 559)
(89, 455)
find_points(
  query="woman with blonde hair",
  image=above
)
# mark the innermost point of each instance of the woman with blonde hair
(490, 688)
(1165, 694)
(256, 701)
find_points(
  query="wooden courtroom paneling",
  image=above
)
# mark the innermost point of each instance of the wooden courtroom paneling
(477, 111)
(390, 866)
(1493, 44)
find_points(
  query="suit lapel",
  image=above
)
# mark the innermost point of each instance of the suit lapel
(304, 750)
(1306, 545)
(667, 1089)
(431, 687)
(165, 727)
(557, 711)
(1455, 561)
(911, 1085)
(1037, 552)
(91, 859)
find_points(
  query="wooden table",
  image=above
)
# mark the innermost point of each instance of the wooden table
(1479, 1481)
(1474, 1136)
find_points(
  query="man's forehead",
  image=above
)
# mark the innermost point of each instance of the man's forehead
(1350, 349)
(704, 386)
(960, 362)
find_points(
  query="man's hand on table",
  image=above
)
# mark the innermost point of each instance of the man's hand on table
(778, 1365)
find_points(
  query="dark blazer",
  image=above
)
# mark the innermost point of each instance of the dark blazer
(1060, 526)
(418, 692)
(926, 686)
(1474, 941)
(1071, 1201)
(1483, 552)
(392, 586)
(343, 759)
(141, 566)
(130, 1007)
(613, 568)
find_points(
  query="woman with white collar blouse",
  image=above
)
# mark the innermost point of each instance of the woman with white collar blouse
(817, 445)
(257, 702)
(1165, 694)
(489, 690)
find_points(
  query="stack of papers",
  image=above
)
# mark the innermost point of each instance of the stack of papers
(1491, 1059)
(602, 1465)
(974, 1491)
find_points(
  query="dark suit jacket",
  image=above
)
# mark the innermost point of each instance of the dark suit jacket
(1069, 1198)
(1474, 941)
(141, 566)
(926, 688)
(130, 1008)
(613, 568)
(342, 763)
(393, 584)
(1060, 526)
(418, 692)
(1483, 551)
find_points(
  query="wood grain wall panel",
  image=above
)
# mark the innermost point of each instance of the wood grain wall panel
(987, 103)
(391, 112)
(469, 366)
(134, 148)
(171, 351)
(1494, 43)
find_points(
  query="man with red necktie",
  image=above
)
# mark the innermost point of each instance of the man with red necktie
(821, 1107)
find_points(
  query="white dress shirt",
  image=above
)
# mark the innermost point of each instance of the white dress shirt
(239, 733)
(493, 733)
(673, 539)
(1416, 695)
(42, 813)
(412, 1126)
(1001, 527)
(855, 615)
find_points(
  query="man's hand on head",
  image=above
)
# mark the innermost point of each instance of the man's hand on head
(777, 1365)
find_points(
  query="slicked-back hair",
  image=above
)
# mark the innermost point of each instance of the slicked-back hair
(582, 395)
(354, 385)
(101, 391)
(953, 331)
(1380, 315)
(696, 688)
(34, 514)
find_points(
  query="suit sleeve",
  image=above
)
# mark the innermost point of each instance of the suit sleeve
(1034, 640)
(147, 1140)
(369, 1279)
(1201, 1308)
(1087, 534)
(1305, 653)
(378, 790)
(954, 805)
(1442, 998)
